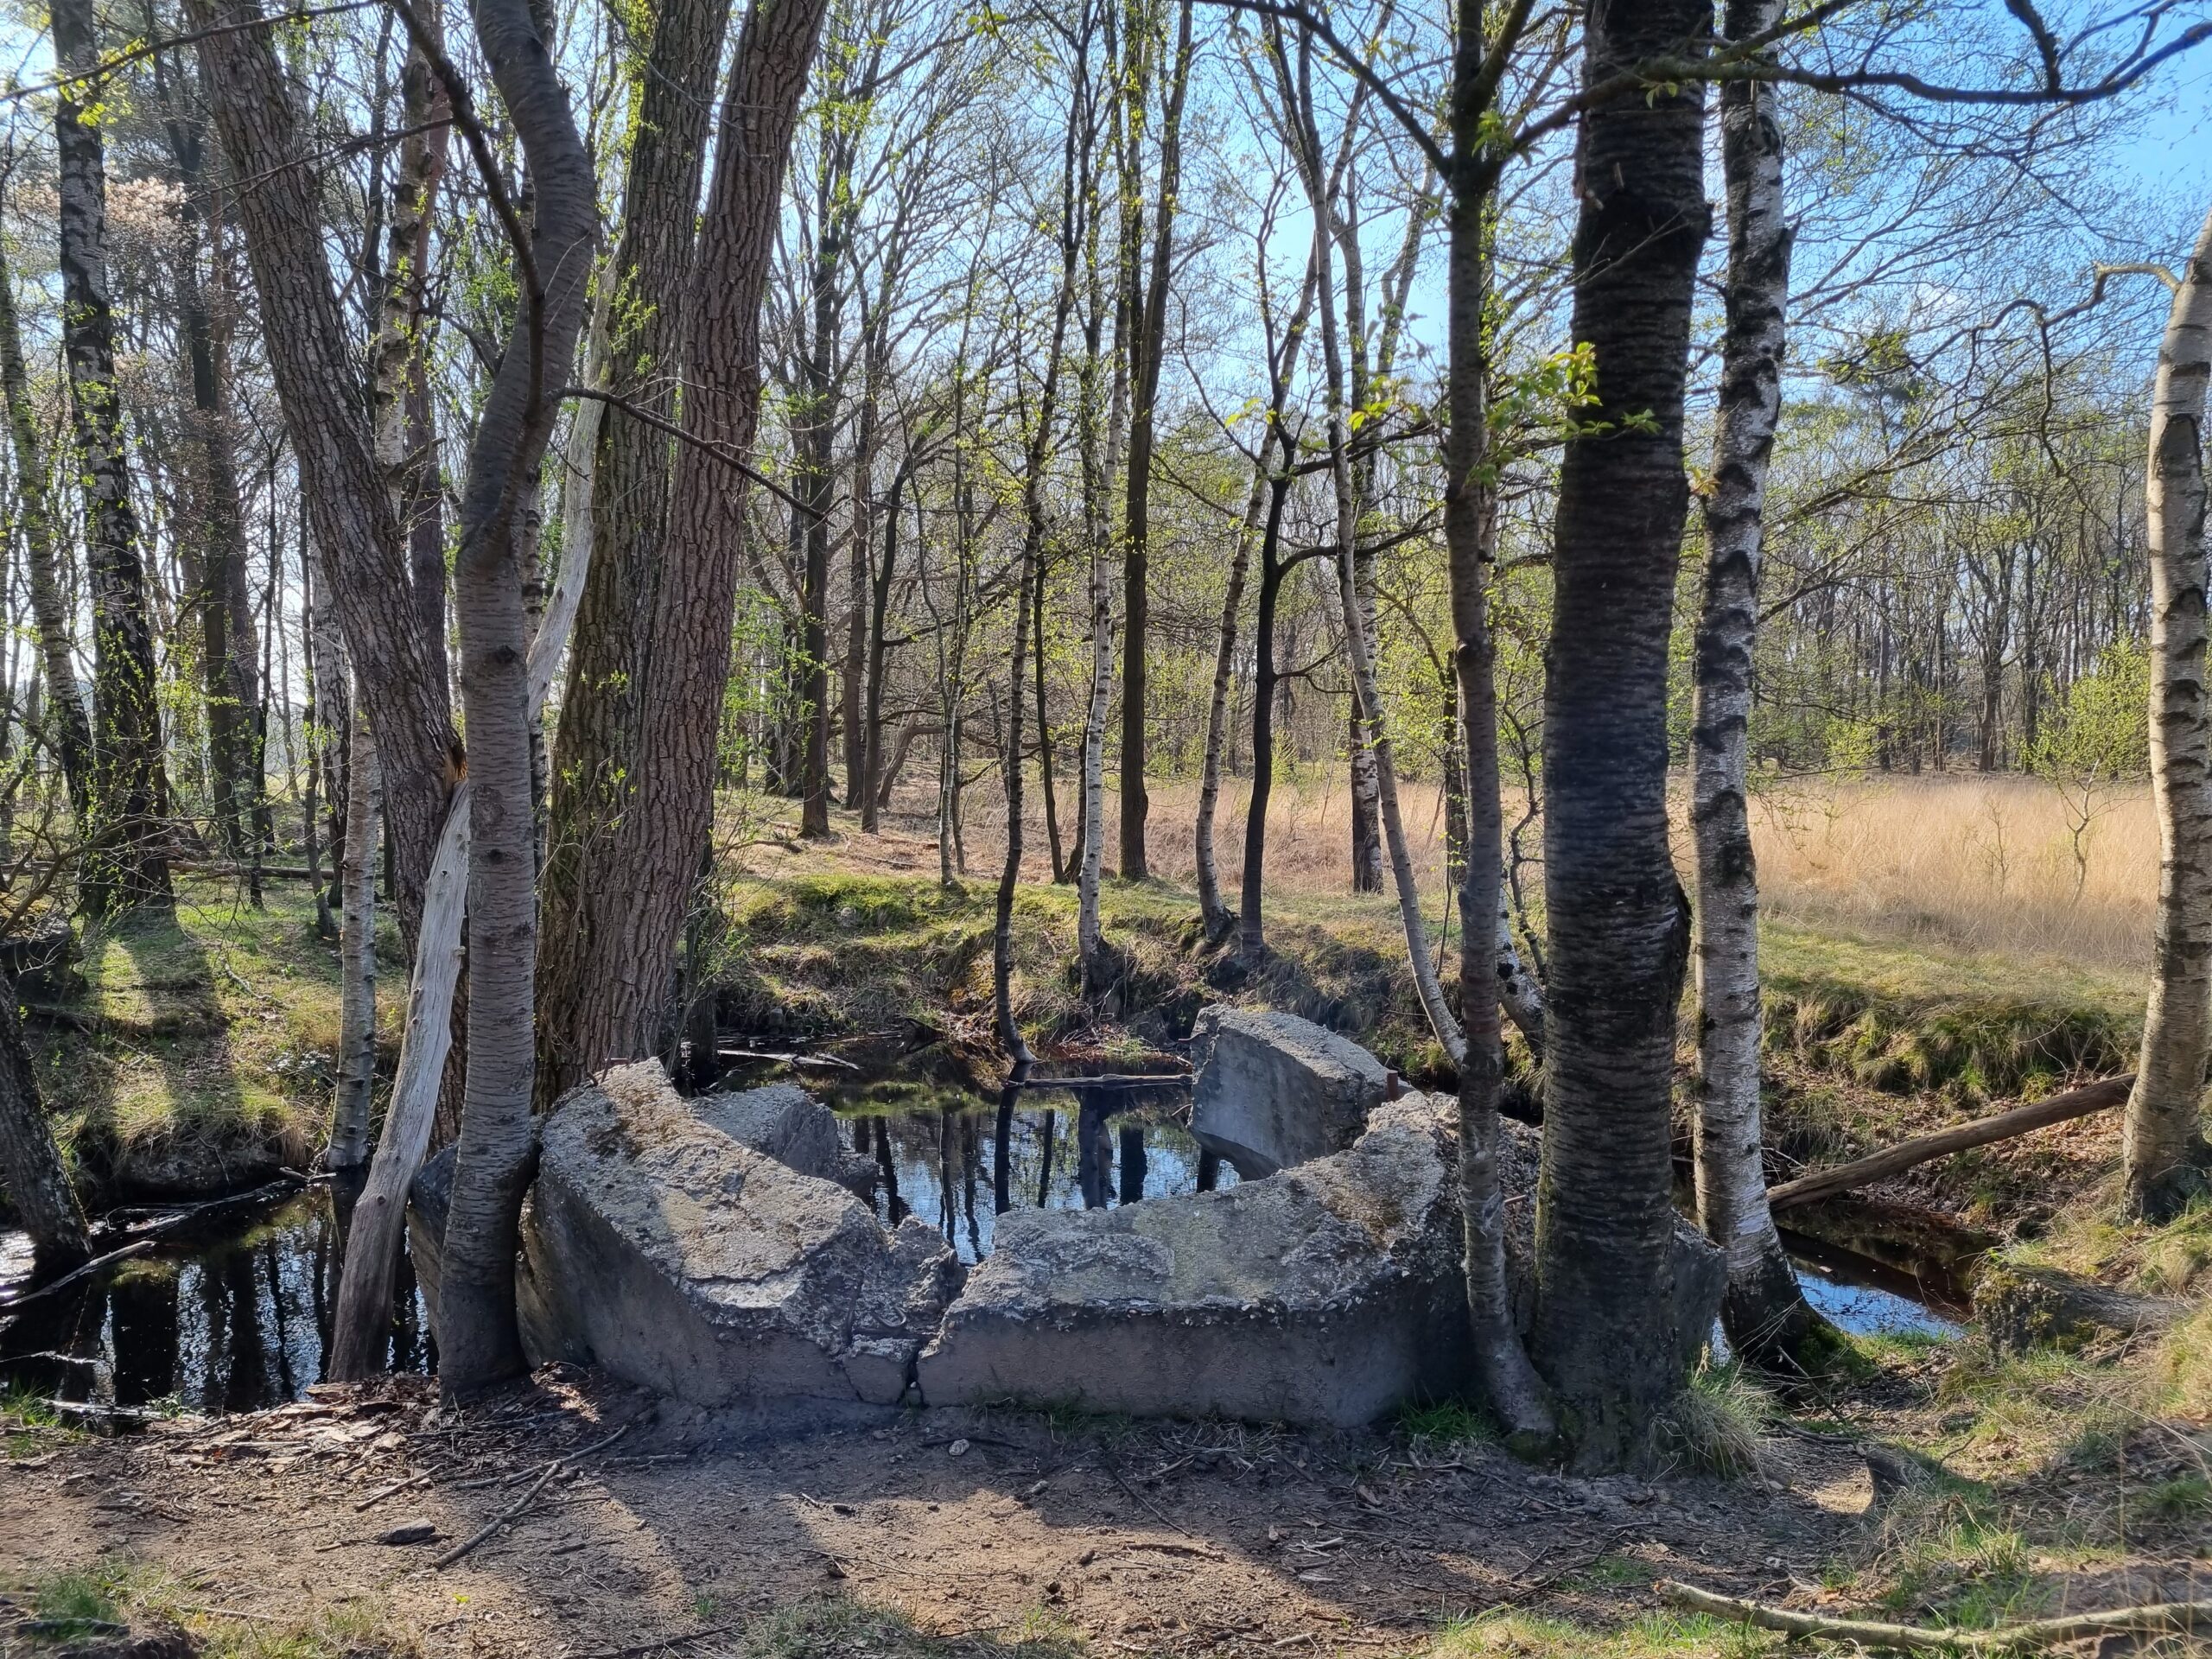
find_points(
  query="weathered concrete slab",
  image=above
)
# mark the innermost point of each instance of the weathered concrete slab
(1274, 1091)
(792, 1127)
(672, 1254)
(1326, 1294)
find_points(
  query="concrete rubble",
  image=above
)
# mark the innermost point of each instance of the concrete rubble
(714, 1249)
(1274, 1091)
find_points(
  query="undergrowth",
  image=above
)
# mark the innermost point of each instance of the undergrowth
(114, 1595)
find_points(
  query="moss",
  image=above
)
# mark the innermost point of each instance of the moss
(1904, 1021)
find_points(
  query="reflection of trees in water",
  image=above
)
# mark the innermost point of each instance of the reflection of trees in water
(934, 1163)
(142, 1304)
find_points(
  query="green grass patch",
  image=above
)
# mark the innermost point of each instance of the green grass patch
(1446, 1425)
(1526, 1635)
(200, 1045)
(114, 1592)
(1904, 1020)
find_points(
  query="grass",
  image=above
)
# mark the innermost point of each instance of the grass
(92, 1600)
(30, 1427)
(1525, 1635)
(210, 1046)
(1718, 1425)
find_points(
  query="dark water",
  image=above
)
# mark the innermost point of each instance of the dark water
(236, 1315)
(230, 1317)
(1063, 1151)
(1868, 1299)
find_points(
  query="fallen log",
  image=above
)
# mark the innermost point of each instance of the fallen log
(2091, 1097)
(2161, 1618)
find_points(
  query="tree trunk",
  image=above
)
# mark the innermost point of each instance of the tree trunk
(621, 871)
(357, 953)
(2162, 1149)
(72, 737)
(1148, 346)
(31, 1170)
(1251, 913)
(124, 862)
(1605, 1330)
(1094, 453)
(478, 1342)
(313, 358)
(1765, 1312)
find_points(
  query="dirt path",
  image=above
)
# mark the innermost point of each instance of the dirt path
(1160, 1538)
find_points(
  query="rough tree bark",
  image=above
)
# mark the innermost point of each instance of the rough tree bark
(31, 1170)
(124, 862)
(614, 934)
(1147, 302)
(1094, 451)
(1765, 1313)
(2163, 1150)
(73, 735)
(1604, 1334)
(478, 1342)
(313, 358)
(595, 837)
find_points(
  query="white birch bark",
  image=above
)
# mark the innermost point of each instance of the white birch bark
(2162, 1146)
(356, 950)
(1763, 1311)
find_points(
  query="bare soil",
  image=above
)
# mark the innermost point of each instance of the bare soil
(1154, 1539)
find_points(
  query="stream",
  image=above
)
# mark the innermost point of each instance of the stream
(234, 1314)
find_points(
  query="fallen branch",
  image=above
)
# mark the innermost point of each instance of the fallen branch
(2059, 1109)
(2179, 1618)
(75, 1273)
(515, 1508)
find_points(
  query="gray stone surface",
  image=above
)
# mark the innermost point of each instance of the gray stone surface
(794, 1129)
(670, 1254)
(1274, 1091)
(1324, 1294)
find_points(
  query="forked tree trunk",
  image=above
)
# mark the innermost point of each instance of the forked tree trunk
(478, 1341)
(1765, 1313)
(31, 1170)
(124, 862)
(73, 735)
(357, 951)
(2163, 1150)
(313, 358)
(586, 1015)
(622, 957)
(1215, 915)
(1604, 1334)
(1093, 448)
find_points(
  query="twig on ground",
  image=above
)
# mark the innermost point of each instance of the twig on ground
(2180, 1618)
(515, 1508)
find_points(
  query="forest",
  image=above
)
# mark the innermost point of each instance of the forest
(1513, 697)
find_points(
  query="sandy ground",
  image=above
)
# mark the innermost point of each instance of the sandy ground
(1159, 1538)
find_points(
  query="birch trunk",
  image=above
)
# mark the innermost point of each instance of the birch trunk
(73, 735)
(1216, 916)
(1606, 1333)
(1097, 471)
(357, 951)
(1763, 1312)
(2163, 1150)
(124, 861)
(478, 1342)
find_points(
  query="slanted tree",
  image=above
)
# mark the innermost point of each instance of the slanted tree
(1605, 1331)
(32, 1173)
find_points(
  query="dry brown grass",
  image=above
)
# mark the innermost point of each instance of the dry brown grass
(1963, 861)
(1983, 864)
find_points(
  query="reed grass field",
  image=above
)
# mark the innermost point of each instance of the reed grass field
(1984, 863)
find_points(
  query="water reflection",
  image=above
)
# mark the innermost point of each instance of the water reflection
(959, 1159)
(233, 1319)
